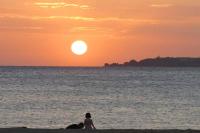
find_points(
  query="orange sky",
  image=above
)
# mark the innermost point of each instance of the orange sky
(40, 32)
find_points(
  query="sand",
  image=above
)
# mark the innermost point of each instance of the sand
(27, 130)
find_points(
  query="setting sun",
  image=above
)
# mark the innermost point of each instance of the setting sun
(79, 47)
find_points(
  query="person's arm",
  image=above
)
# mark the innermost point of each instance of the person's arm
(84, 124)
(93, 125)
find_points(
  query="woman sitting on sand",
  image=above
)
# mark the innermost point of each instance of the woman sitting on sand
(88, 123)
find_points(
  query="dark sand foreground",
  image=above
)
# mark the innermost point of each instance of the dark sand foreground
(26, 130)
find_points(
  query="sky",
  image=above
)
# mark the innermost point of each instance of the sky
(40, 32)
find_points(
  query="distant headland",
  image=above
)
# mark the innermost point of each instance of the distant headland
(160, 62)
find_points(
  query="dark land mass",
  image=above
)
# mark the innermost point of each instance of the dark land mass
(26, 130)
(160, 62)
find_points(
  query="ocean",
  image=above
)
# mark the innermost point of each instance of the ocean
(117, 98)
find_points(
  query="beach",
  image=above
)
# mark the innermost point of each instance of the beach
(27, 130)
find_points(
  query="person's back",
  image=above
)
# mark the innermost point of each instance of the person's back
(88, 123)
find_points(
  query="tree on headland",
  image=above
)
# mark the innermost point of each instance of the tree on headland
(160, 62)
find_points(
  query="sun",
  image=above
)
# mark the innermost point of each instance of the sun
(79, 47)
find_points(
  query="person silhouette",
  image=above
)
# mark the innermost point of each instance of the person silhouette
(88, 123)
(76, 126)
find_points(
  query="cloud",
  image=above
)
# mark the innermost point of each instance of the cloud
(17, 16)
(80, 18)
(181, 30)
(69, 24)
(84, 29)
(60, 5)
(161, 5)
(64, 17)
(20, 28)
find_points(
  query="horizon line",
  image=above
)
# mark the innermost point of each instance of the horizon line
(51, 66)
(95, 66)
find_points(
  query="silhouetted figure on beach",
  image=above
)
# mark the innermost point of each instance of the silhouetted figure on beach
(88, 123)
(76, 126)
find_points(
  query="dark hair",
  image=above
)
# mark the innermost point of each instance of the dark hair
(88, 115)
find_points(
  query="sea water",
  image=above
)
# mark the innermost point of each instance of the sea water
(117, 98)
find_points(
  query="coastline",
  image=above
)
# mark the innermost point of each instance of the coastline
(30, 130)
(160, 62)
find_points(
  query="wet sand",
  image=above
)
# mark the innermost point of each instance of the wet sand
(27, 130)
